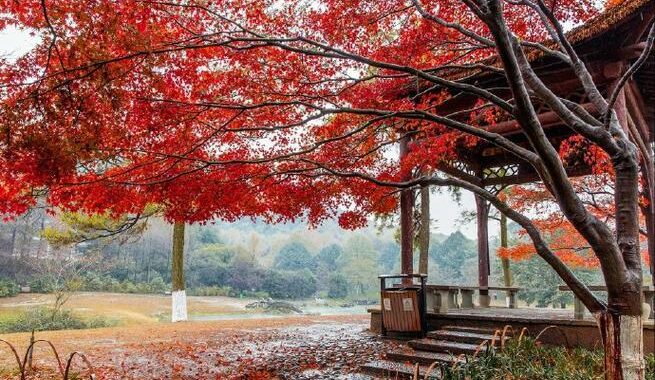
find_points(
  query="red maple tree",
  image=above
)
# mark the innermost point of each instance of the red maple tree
(289, 109)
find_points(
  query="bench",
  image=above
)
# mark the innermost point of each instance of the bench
(579, 308)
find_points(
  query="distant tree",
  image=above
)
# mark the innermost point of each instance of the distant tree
(359, 263)
(8, 288)
(539, 283)
(389, 254)
(207, 236)
(329, 256)
(245, 272)
(326, 264)
(289, 284)
(337, 286)
(452, 254)
(209, 265)
(294, 256)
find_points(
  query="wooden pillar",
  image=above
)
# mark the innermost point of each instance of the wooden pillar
(424, 233)
(643, 135)
(406, 219)
(507, 273)
(482, 208)
(649, 212)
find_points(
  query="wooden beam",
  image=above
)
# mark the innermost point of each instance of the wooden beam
(526, 176)
(450, 170)
(631, 51)
(546, 119)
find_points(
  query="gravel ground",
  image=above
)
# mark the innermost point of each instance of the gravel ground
(301, 348)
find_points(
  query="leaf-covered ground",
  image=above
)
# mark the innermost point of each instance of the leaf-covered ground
(295, 347)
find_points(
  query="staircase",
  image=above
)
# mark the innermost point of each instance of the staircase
(444, 346)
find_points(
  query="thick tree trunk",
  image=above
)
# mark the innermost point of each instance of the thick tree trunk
(624, 346)
(179, 307)
(620, 319)
(507, 274)
(621, 326)
(424, 234)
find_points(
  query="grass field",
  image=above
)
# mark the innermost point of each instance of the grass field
(126, 309)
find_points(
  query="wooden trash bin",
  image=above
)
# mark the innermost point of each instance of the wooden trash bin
(403, 306)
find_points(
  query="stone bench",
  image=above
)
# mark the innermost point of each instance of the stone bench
(579, 308)
(467, 295)
(440, 298)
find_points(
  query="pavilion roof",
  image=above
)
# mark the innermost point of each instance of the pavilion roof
(606, 21)
(601, 42)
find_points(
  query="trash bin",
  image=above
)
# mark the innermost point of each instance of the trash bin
(403, 305)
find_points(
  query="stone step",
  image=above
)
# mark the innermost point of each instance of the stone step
(461, 336)
(409, 355)
(473, 329)
(442, 346)
(386, 369)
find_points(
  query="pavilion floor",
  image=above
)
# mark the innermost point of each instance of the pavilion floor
(553, 326)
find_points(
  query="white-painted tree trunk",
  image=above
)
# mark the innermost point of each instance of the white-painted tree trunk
(623, 342)
(178, 296)
(179, 308)
(632, 347)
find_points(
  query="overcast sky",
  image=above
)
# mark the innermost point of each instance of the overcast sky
(445, 211)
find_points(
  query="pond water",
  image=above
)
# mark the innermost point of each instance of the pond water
(308, 309)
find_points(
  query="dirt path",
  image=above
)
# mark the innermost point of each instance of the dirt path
(298, 347)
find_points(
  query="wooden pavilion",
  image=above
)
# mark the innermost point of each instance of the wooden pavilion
(607, 44)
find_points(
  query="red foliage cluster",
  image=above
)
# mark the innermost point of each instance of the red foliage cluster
(228, 109)
(534, 200)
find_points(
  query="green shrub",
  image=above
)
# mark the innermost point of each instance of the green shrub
(210, 291)
(650, 367)
(158, 285)
(43, 284)
(259, 294)
(8, 288)
(530, 360)
(99, 283)
(46, 319)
